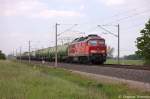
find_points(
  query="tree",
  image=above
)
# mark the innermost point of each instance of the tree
(143, 43)
(2, 56)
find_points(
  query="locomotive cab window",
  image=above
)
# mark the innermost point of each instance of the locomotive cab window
(92, 42)
(96, 42)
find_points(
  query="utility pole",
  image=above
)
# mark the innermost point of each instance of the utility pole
(56, 40)
(118, 36)
(20, 54)
(118, 43)
(29, 52)
(16, 53)
(13, 53)
(56, 44)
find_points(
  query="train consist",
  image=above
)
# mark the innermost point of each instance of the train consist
(89, 49)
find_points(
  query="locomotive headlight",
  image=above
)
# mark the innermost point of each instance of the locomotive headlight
(93, 51)
(103, 51)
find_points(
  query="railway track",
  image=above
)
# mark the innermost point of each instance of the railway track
(127, 72)
(111, 70)
(138, 67)
(135, 73)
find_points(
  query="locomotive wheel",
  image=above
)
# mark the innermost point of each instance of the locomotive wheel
(69, 60)
(83, 60)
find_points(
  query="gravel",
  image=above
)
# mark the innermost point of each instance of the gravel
(128, 74)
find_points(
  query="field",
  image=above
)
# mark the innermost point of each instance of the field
(125, 62)
(26, 81)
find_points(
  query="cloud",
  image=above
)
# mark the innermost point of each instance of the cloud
(33, 8)
(113, 2)
(20, 8)
(126, 3)
(82, 7)
(57, 13)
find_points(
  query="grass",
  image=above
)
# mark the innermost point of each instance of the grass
(26, 81)
(125, 62)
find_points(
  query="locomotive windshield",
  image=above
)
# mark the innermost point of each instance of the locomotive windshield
(96, 42)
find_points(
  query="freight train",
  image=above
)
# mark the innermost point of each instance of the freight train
(88, 49)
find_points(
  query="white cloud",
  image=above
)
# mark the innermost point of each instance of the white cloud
(82, 7)
(33, 8)
(113, 2)
(19, 8)
(60, 13)
(126, 3)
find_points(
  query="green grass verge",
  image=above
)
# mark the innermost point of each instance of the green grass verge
(125, 62)
(24, 81)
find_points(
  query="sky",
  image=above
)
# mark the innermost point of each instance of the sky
(34, 20)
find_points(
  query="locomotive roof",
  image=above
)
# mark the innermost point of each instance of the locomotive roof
(92, 36)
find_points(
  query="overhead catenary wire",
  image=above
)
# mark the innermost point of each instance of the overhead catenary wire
(101, 25)
(107, 31)
(67, 29)
(128, 17)
(135, 9)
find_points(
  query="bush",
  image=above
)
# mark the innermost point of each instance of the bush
(132, 57)
(2, 56)
(147, 62)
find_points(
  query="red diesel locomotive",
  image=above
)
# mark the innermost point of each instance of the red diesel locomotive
(91, 48)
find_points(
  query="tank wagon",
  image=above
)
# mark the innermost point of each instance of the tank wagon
(89, 49)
